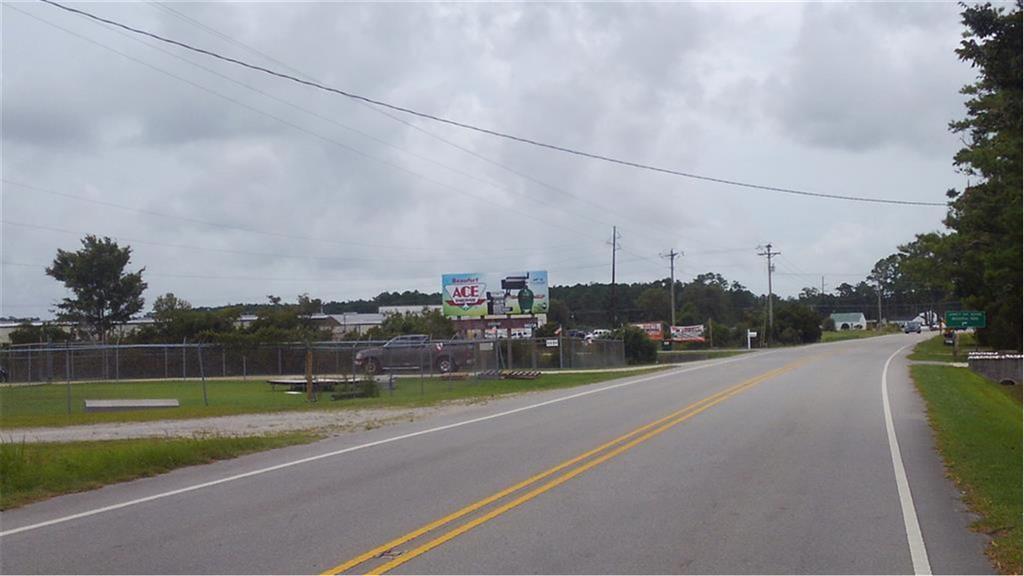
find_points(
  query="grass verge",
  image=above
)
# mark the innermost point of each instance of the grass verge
(678, 356)
(46, 405)
(840, 335)
(977, 424)
(32, 472)
(934, 350)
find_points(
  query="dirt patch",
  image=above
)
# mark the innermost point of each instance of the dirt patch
(329, 422)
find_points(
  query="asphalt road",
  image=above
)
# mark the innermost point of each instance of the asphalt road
(775, 462)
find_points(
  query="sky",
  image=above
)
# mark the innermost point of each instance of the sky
(230, 185)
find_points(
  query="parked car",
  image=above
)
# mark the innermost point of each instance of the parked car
(576, 334)
(415, 352)
(912, 326)
(598, 334)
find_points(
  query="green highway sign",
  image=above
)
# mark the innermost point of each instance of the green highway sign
(965, 319)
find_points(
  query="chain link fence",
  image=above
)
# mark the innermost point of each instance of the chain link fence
(110, 363)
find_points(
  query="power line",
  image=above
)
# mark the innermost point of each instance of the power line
(224, 226)
(384, 113)
(466, 126)
(257, 254)
(292, 279)
(299, 128)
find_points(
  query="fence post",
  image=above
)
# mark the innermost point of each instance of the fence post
(29, 365)
(561, 346)
(508, 347)
(67, 372)
(166, 363)
(279, 369)
(49, 362)
(243, 367)
(117, 361)
(533, 354)
(71, 369)
(223, 362)
(183, 352)
(202, 374)
(421, 370)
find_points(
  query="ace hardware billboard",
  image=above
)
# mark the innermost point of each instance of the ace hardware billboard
(495, 294)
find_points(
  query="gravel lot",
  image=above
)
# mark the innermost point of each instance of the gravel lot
(331, 422)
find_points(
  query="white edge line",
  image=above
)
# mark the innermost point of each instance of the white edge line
(918, 552)
(283, 465)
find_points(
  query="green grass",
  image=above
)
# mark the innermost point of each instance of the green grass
(934, 350)
(32, 472)
(672, 356)
(978, 429)
(839, 336)
(46, 405)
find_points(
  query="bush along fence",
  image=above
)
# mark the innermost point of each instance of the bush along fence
(76, 362)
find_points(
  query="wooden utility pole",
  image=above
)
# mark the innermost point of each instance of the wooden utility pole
(771, 319)
(672, 255)
(309, 374)
(615, 248)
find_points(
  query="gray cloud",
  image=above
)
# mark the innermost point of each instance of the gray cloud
(849, 99)
(868, 77)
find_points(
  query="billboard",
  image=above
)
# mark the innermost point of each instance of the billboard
(652, 329)
(688, 333)
(495, 294)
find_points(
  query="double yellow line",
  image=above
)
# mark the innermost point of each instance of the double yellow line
(625, 442)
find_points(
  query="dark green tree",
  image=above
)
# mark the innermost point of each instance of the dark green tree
(796, 324)
(639, 349)
(559, 314)
(986, 215)
(104, 294)
(654, 302)
(27, 333)
(430, 322)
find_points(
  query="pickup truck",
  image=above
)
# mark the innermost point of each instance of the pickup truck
(415, 352)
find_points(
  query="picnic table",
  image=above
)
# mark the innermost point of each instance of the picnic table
(299, 384)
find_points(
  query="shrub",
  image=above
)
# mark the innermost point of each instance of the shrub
(639, 348)
(369, 389)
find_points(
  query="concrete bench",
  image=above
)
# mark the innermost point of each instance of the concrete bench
(115, 405)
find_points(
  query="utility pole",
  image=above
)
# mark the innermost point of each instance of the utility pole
(771, 319)
(879, 291)
(615, 248)
(672, 255)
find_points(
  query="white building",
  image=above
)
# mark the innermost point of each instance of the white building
(850, 321)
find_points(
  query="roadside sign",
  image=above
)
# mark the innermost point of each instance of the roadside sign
(551, 342)
(965, 319)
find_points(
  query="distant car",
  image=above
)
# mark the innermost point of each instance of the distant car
(576, 334)
(912, 326)
(949, 337)
(599, 334)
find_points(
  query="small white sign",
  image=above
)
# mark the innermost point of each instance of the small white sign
(752, 334)
(484, 346)
(552, 342)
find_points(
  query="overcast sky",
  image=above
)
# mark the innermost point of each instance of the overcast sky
(230, 185)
